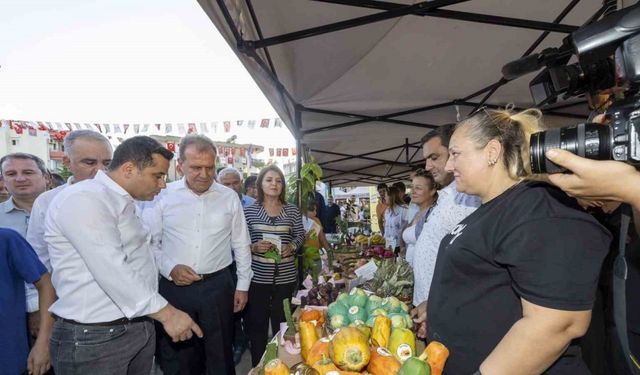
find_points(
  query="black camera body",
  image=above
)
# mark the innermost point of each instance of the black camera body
(608, 53)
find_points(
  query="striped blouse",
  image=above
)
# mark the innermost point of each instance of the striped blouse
(287, 225)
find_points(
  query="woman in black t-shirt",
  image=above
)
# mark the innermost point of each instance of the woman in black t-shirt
(515, 281)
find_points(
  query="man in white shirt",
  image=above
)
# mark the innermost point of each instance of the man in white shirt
(195, 223)
(104, 272)
(450, 208)
(85, 153)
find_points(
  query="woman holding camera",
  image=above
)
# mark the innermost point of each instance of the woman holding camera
(515, 281)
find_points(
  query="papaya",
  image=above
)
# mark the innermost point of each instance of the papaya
(436, 355)
(349, 350)
(312, 315)
(324, 365)
(308, 337)
(382, 362)
(381, 331)
(414, 366)
(402, 344)
(318, 350)
(276, 367)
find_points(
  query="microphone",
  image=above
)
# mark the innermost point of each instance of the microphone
(520, 67)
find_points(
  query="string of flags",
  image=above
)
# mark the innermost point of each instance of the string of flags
(179, 129)
(58, 130)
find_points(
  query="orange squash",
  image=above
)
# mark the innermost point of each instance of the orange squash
(318, 350)
(381, 331)
(436, 355)
(349, 349)
(276, 367)
(312, 315)
(324, 366)
(308, 337)
(382, 362)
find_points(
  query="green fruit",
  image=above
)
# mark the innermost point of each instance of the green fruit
(398, 321)
(409, 321)
(391, 304)
(338, 321)
(379, 311)
(414, 366)
(337, 308)
(371, 320)
(343, 298)
(373, 303)
(404, 307)
(357, 313)
(358, 297)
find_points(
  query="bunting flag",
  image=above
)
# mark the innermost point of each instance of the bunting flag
(277, 123)
(107, 128)
(264, 123)
(18, 129)
(293, 151)
(168, 128)
(87, 126)
(99, 127)
(278, 152)
(116, 128)
(158, 126)
(251, 124)
(125, 127)
(227, 126)
(42, 126)
(181, 129)
(68, 125)
(271, 152)
(33, 132)
(204, 128)
(192, 128)
(285, 152)
(77, 126)
(239, 122)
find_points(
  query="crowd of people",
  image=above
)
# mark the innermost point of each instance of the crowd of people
(510, 271)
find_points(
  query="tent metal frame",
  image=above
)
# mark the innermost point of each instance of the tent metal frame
(258, 50)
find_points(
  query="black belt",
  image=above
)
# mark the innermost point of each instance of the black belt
(117, 322)
(205, 276)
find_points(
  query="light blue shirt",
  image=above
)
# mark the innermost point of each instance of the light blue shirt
(13, 217)
(247, 201)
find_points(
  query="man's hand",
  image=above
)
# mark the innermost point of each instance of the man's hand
(177, 323)
(596, 179)
(240, 300)
(184, 275)
(39, 361)
(34, 323)
(419, 315)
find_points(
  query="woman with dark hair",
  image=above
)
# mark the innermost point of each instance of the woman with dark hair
(276, 233)
(515, 281)
(424, 193)
(395, 218)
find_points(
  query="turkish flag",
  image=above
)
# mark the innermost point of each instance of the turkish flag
(171, 147)
(279, 152)
(285, 152)
(227, 126)
(270, 152)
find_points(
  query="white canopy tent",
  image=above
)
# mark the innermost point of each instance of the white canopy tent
(360, 82)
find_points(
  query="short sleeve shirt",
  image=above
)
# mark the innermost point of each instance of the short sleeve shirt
(18, 264)
(531, 242)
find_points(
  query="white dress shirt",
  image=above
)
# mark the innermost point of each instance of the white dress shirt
(199, 231)
(35, 237)
(452, 208)
(103, 266)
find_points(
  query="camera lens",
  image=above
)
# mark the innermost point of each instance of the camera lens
(590, 141)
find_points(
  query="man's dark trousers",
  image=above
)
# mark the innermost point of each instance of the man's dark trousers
(210, 303)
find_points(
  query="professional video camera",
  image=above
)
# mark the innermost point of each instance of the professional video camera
(608, 53)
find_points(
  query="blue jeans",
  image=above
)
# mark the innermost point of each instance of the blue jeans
(125, 349)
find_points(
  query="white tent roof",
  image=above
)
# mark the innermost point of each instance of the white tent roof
(360, 98)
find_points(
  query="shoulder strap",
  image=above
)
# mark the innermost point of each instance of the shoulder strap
(619, 295)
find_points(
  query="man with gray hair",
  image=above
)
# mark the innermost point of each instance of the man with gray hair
(194, 225)
(231, 178)
(85, 153)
